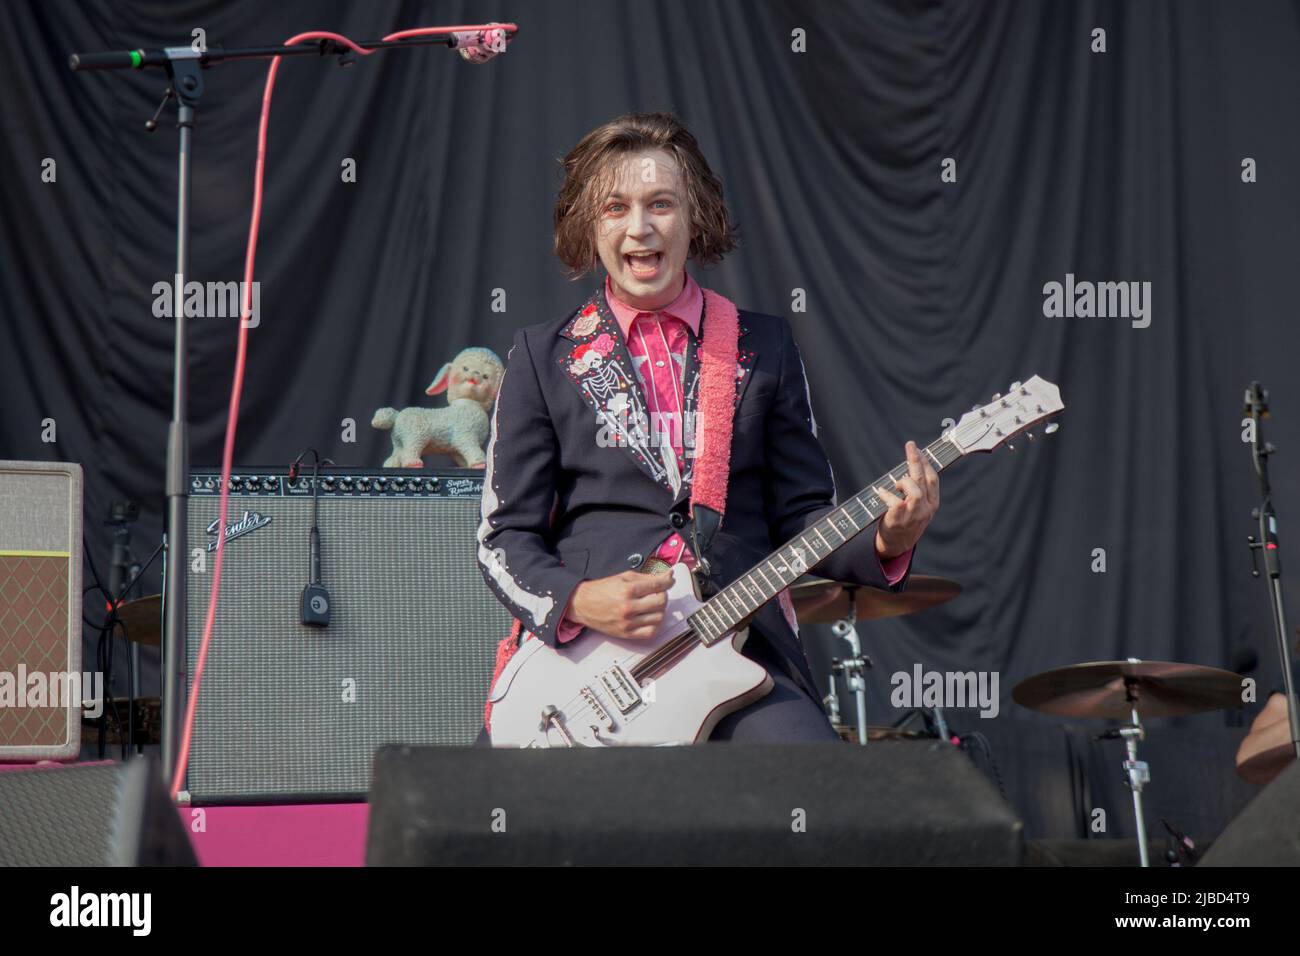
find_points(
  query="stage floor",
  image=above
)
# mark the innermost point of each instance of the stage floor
(321, 834)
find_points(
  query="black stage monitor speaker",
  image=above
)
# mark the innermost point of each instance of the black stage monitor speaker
(112, 814)
(1267, 832)
(887, 803)
(293, 712)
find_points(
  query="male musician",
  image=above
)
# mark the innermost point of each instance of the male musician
(577, 507)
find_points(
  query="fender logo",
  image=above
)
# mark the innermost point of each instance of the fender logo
(251, 521)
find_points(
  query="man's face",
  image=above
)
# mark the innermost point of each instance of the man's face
(643, 232)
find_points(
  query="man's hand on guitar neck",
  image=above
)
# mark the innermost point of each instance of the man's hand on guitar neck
(908, 516)
(629, 605)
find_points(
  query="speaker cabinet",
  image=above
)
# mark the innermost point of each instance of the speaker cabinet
(1267, 832)
(40, 610)
(109, 814)
(721, 804)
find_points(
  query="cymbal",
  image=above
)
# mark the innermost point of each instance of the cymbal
(1267, 764)
(147, 714)
(1097, 689)
(143, 619)
(819, 601)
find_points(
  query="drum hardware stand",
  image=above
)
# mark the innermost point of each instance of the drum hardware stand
(122, 569)
(853, 669)
(941, 725)
(1137, 772)
(831, 701)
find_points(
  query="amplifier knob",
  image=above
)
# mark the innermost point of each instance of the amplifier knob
(196, 484)
(431, 484)
(380, 482)
(327, 484)
(363, 484)
(236, 482)
(345, 484)
(397, 484)
(268, 483)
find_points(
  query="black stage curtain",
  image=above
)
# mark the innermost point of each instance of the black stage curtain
(922, 296)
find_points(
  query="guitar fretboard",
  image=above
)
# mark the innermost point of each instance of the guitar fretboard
(738, 600)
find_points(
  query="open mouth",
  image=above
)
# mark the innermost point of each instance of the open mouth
(644, 265)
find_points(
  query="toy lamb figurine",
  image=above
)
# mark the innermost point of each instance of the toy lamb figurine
(471, 382)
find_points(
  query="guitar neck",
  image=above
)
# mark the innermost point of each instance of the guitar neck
(721, 614)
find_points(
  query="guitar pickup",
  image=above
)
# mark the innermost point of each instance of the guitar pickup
(622, 689)
(597, 708)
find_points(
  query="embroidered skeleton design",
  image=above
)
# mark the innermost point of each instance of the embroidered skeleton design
(623, 414)
(602, 380)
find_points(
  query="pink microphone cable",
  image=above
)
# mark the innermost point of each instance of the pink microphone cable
(493, 32)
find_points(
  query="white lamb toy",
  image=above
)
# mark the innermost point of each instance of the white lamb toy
(471, 382)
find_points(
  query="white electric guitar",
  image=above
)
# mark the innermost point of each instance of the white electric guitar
(601, 691)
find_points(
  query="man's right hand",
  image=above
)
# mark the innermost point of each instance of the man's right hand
(629, 605)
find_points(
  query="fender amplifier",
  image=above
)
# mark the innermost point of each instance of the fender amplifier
(41, 683)
(290, 712)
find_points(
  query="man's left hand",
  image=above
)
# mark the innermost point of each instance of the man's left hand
(910, 509)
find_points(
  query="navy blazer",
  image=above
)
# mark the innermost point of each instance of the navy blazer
(571, 494)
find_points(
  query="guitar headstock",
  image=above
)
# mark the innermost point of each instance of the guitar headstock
(1025, 405)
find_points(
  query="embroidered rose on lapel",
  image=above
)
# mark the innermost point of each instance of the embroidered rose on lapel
(584, 359)
(591, 355)
(588, 320)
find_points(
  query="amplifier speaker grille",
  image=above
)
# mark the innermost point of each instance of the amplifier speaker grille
(292, 712)
(40, 609)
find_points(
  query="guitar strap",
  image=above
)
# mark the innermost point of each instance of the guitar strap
(713, 421)
(717, 408)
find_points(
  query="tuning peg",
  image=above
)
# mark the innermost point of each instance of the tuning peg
(976, 408)
(1029, 436)
(996, 396)
(1015, 386)
(1051, 428)
(1010, 447)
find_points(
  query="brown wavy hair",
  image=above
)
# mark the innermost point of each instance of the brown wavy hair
(588, 178)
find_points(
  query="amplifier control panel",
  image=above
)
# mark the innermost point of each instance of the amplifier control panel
(343, 482)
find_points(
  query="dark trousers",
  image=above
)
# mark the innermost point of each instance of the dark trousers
(787, 715)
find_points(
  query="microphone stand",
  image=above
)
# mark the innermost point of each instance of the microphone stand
(1257, 409)
(183, 66)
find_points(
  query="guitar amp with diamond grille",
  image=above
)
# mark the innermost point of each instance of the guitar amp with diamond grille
(41, 686)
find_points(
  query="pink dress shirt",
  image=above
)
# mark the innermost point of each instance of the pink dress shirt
(656, 343)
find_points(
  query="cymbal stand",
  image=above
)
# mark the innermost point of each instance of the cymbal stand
(1137, 771)
(832, 700)
(854, 668)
